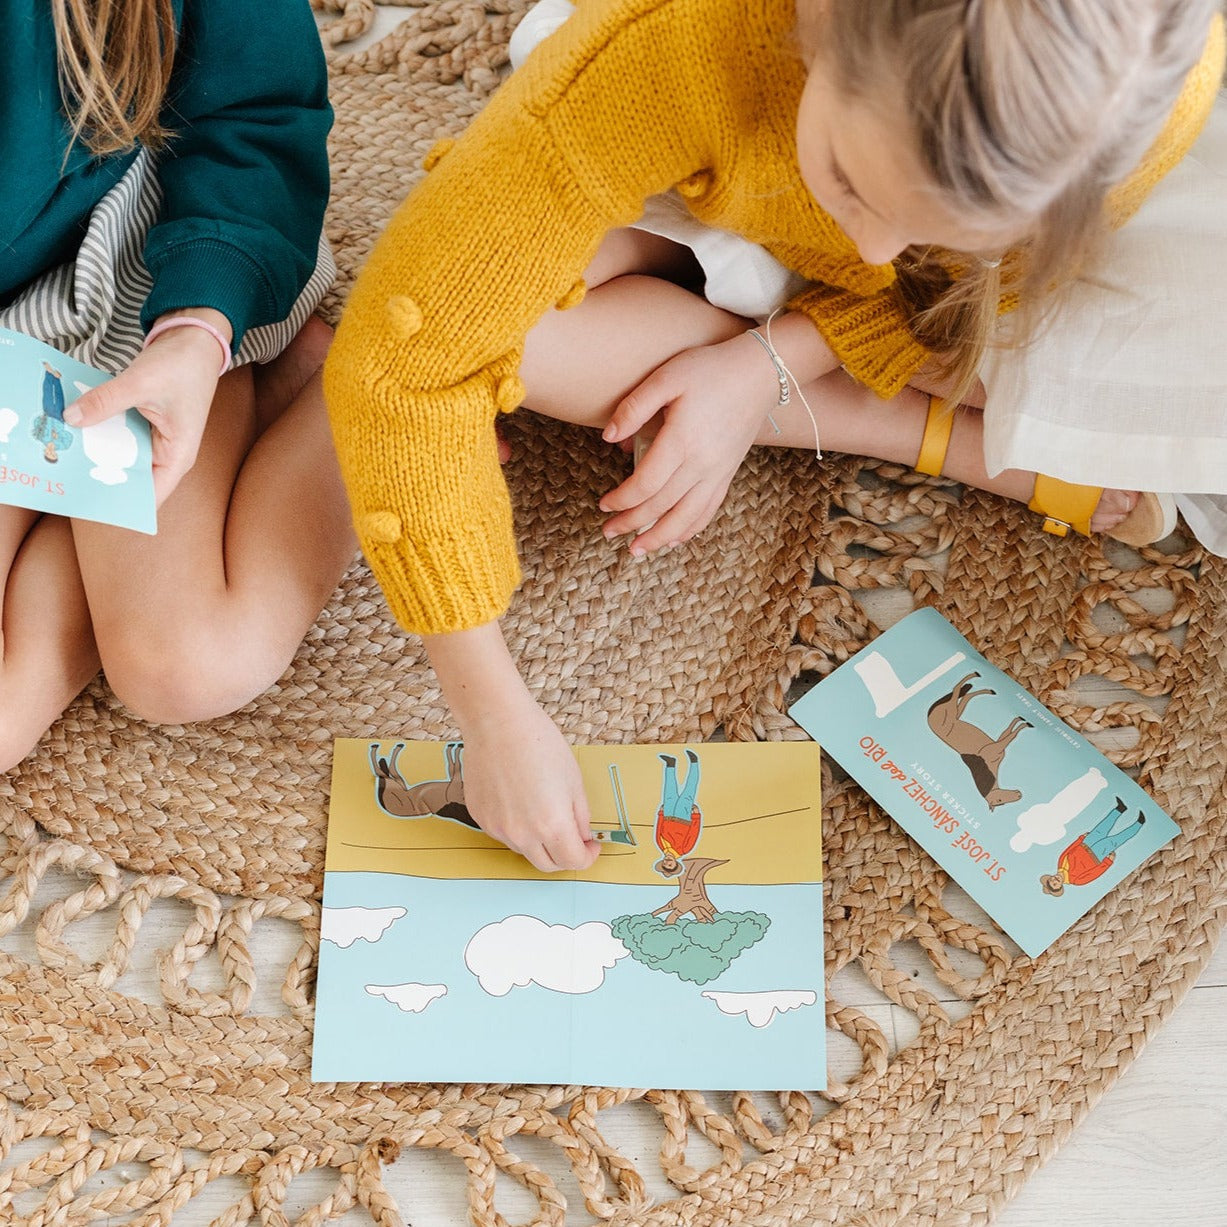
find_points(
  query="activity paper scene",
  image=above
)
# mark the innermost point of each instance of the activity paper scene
(102, 472)
(688, 956)
(1022, 811)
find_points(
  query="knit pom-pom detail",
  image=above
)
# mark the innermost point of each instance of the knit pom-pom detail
(439, 150)
(380, 527)
(696, 185)
(405, 316)
(509, 395)
(573, 297)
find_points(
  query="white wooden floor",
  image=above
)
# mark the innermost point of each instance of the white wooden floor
(1153, 1151)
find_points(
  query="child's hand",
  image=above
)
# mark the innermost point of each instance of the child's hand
(521, 782)
(712, 403)
(171, 384)
(523, 786)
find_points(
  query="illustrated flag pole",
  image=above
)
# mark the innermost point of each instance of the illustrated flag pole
(624, 834)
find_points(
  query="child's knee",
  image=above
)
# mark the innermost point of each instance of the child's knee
(629, 250)
(185, 683)
(181, 695)
(18, 737)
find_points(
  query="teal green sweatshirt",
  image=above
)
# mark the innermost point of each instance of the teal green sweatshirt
(245, 177)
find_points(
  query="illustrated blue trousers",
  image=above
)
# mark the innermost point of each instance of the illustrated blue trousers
(675, 803)
(1102, 840)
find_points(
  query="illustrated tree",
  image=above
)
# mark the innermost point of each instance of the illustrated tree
(691, 894)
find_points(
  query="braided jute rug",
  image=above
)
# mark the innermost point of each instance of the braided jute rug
(191, 1103)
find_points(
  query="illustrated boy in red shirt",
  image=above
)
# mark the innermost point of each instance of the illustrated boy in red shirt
(1092, 853)
(679, 819)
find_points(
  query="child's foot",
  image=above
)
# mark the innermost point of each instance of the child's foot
(921, 431)
(1136, 519)
(1112, 509)
(953, 445)
(280, 381)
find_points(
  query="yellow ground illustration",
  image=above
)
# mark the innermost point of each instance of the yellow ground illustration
(755, 805)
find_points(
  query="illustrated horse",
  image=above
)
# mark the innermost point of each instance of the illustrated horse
(438, 798)
(981, 752)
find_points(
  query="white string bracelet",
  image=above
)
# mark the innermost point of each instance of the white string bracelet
(191, 321)
(787, 381)
(781, 371)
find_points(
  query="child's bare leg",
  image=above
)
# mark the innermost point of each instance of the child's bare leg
(853, 420)
(578, 364)
(628, 250)
(277, 383)
(195, 622)
(47, 651)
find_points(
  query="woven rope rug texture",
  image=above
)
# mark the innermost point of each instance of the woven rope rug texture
(192, 1104)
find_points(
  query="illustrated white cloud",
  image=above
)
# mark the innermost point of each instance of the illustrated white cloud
(884, 685)
(111, 445)
(760, 1008)
(1046, 821)
(412, 998)
(345, 925)
(8, 419)
(522, 950)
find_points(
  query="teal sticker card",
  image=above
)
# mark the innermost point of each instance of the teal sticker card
(1021, 810)
(102, 472)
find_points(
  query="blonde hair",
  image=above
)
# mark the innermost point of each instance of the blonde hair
(1024, 112)
(114, 63)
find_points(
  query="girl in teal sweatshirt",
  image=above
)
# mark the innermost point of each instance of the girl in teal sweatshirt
(166, 173)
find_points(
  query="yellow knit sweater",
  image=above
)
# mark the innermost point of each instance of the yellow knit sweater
(630, 98)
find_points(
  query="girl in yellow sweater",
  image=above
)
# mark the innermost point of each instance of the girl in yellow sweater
(904, 164)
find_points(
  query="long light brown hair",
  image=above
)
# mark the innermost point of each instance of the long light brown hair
(114, 63)
(1025, 112)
